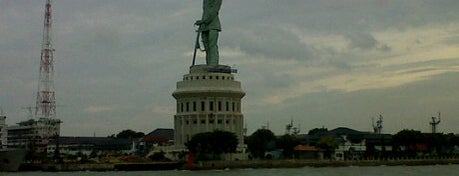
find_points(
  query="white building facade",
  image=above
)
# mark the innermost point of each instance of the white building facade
(208, 99)
(33, 134)
(3, 132)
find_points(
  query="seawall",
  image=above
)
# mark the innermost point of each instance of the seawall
(69, 167)
(313, 163)
(219, 165)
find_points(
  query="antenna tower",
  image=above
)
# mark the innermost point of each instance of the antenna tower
(46, 102)
(378, 127)
(289, 127)
(435, 122)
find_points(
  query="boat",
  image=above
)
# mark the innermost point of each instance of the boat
(11, 159)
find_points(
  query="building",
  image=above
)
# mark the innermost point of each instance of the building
(307, 152)
(208, 99)
(88, 145)
(353, 144)
(157, 138)
(3, 131)
(33, 134)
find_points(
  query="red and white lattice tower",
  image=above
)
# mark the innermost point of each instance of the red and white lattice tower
(46, 102)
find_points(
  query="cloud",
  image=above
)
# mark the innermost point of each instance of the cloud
(98, 109)
(367, 70)
(164, 110)
(365, 41)
(271, 42)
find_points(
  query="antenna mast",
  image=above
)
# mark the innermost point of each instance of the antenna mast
(435, 122)
(46, 102)
(378, 127)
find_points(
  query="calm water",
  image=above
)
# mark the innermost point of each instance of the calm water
(437, 170)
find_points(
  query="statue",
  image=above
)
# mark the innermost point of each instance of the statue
(209, 27)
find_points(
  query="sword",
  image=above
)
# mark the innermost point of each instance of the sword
(196, 46)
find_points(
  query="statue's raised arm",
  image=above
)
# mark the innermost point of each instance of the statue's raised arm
(209, 26)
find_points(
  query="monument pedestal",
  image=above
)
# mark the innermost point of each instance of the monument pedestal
(208, 99)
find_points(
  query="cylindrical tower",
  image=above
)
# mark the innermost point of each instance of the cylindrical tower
(208, 99)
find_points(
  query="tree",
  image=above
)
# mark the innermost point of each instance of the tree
(93, 154)
(408, 139)
(436, 142)
(225, 142)
(212, 143)
(317, 130)
(258, 142)
(287, 142)
(129, 134)
(327, 143)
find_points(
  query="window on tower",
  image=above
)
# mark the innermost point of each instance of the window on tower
(203, 106)
(211, 105)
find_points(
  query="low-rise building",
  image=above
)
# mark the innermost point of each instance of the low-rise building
(91, 145)
(158, 137)
(3, 131)
(307, 152)
(33, 134)
(352, 144)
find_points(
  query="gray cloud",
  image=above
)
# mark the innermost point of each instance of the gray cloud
(365, 41)
(270, 42)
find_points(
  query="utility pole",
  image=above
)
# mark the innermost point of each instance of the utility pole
(46, 96)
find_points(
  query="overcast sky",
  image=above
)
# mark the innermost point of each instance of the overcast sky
(331, 63)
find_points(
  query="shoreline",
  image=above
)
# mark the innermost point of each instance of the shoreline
(257, 164)
(220, 165)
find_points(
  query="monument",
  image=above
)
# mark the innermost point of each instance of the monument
(208, 97)
(209, 27)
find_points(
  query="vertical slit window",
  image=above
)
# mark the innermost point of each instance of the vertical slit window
(211, 105)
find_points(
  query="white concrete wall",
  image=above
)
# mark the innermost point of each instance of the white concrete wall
(221, 96)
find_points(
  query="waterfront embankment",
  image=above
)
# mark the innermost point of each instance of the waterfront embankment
(315, 163)
(220, 165)
(69, 167)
